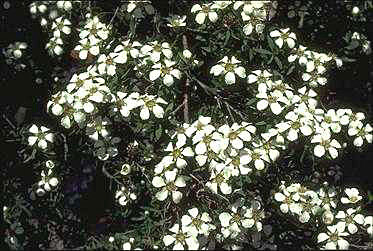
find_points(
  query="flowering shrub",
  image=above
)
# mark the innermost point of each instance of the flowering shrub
(192, 121)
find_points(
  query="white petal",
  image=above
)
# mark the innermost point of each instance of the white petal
(161, 195)
(34, 129)
(200, 18)
(153, 75)
(144, 113)
(200, 148)
(217, 70)
(319, 151)
(42, 144)
(259, 164)
(322, 237)
(177, 196)
(32, 140)
(262, 104)
(276, 108)
(333, 152)
(158, 111)
(168, 80)
(279, 42)
(88, 107)
(213, 16)
(168, 240)
(224, 219)
(158, 182)
(230, 78)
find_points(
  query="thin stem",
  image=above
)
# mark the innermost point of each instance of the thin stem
(186, 85)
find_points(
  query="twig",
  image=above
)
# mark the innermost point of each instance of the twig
(112, 19)
(66, 148)
(9, 122)
(178, 108)
(186, 85)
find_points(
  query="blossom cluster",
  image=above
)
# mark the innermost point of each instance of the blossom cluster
(13, 52)
(48, 180)
(324, 207)
(52, 17)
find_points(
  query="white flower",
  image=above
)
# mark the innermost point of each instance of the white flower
(204, 11)
(178, 154)
(151, 103)
(124, 49)
(325, 144)
(353, 196)
(272, 100)
(229, 68)
(259, 76)
(238, 162)
(65, 5)
(236, 134)
(61, 25)
(87, 45)
(180, 238)
(289, 202)
(254, 214)
(258, 156)
(219, 178)
(155, 49)
(106, 64)
(94, 29)
(334, 237)
(196, 223)
(166, 71)
(282, 35)
(361, 132)
(176, 21)
(199, 126)
(125, 195)
(47, 181)
(98, 127)
(55, 46)
(169, 185)
(350, 219)
(41, 136)
(368, 221)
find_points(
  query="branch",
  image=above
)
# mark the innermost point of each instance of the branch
(186, 85)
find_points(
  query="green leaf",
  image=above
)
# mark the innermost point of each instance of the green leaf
(270, 43)
(263, 51)
(261, 123)
(251, 101)
(158, 133)
(227, 36)
(291, 69)
(278, 62)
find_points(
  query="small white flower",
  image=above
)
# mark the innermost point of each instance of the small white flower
(361, 133)
(41, 136)
(283, 35)
(206, 10)
(334, 237)
(196, 223)
(353, 196)
(151, 103)
(325, 144)
(169, 185)
(155, 49)
(180, 238)
(219, 178)
(176, 21)
(229, 68)
(272, 100)
(350, 219)
(166, 71)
